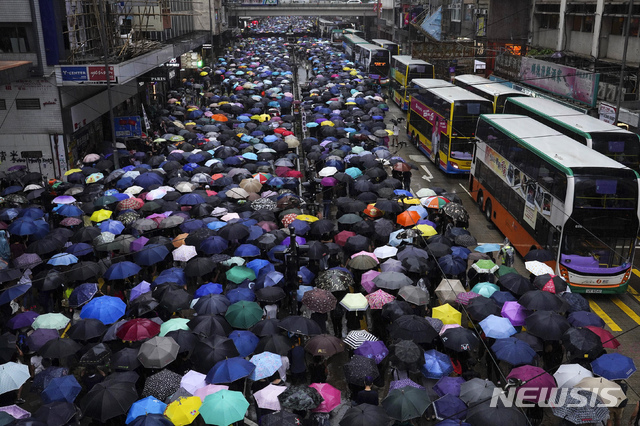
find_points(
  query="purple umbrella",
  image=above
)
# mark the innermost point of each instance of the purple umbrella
(27, 260)
(515, 313)
(139, 243)
(41, 336)
(299, 240)
(367, 280)
(140, 289)
(399, 384)
(374, 350)
(465, 298)
(15, 411)
(328, 181)
(448, 386)
(23, 319)
(392, 265)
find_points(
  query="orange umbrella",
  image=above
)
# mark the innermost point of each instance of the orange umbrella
(219, 117)
(408, 218)
(179, 240)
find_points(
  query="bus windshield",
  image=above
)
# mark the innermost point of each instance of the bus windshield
(622, 147)
(599, 191)
(465, 116)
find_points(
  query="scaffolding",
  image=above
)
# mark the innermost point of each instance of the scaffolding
(128, 28)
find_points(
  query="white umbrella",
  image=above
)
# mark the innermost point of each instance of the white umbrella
(237, 193)
(156, 194)
(448, 290)
(425, 192)
(184, 253)
(538, 268)
(569, 375)
(327, 171)
(384, 252)
(134, 190)
(185, 187)
(12, 376)
(267, 397)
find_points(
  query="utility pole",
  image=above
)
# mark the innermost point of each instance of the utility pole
(627, 26)
(105, 52)
(211, 33)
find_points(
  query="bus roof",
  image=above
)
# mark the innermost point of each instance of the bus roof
(370, 46)
(455, 93)
(355, 39)
(408, 60)
(582, 123)
(492, 87)
(550, 144)
(430, 83)
(381, 40)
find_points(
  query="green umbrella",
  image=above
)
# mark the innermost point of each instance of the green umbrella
(485, 266)
(504, 270)
(237, 274)
(355, 302)
(174, 324)
(406, 403)
(243, 314)
(224, 408)
(485, 289)
(50, 321)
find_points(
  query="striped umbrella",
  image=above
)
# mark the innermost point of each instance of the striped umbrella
(355, 338)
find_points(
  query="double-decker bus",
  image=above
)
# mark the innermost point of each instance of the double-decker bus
(374, 60)
(325, 27)
(543, 189)
(391, 46)
(337, 35)
(349, 43)
(490, 90)
(405, 69)
(351, 31)
(612, 141)
(444, 118)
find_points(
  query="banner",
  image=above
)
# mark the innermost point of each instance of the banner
(127, 127)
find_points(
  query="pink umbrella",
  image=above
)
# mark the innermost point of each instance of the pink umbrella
(448, 327)
(267, 397)
(15, 411)
(537, 381)
(366, 253)
(157, 217)
(208, 390)
(514, 312)
(367, 280)
(465, 298)
(331, 397)
(379, 298)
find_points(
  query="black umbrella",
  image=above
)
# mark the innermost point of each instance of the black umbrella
(486, 415)
(439, 249)
(575, 302)
(582, 343)
(515, 283)
(199, 266)
(365, 415)
(280, 418)
(276, 343)
(83, 271)
(9, 274)
(99, 354)
(59, 348)
(359, 369)
(209, 325)
(414, 328)
(125, 359)
(298, 324)
(108, 399)
(300, 397)
(549, 283)
(406, 355)
(7, 347)
(211, 350)
(175, 299)
(481, 307)
(395, 309)
(142, 304)
(55, 413)
(266, 327)
(547, 325)
(234, 231)
(185, 338)
(541, 255)
(460, 339)
(270, 294)
(87, 329)
(537, 300)
(536, 343)
(161, 385)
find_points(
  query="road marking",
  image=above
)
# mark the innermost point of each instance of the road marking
(428, 175)
(602, 314)
(465, 189)
(418, 158)
(627, 310)
(634, 293)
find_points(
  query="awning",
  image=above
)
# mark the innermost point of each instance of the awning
(14, 70)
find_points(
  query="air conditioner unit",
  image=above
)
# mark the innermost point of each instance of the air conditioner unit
(482, 12)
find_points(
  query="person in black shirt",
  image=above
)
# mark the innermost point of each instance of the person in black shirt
(368, 395)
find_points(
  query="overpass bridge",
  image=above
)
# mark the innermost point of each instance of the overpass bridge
(301, 9)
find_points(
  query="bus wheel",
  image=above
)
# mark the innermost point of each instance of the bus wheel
(480, 201)
(488, 211)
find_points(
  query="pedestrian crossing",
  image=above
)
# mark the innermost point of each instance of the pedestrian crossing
(620, 313)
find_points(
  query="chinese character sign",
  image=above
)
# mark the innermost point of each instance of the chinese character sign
(568, 82)
(127, 126)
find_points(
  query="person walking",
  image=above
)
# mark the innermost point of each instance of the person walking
(396, 133)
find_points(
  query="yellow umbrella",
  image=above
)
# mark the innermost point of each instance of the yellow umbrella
(409, 201)
(447, 314)
(350, 103)
(223, 102)
(100, 215)
(264, 117)
(390, 132)
(184, 410)
(68, 172)
(426, 230)
(307, 218)
(346, 69)
(255, 117)
(327, 123)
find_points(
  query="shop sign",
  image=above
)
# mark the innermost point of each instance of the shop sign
(126, 127)
(87, 74)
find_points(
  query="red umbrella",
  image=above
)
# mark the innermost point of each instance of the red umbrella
(130, 203)
(138, 329)
(282, 171)
(608, 341)
(342, 237)
(294, 173)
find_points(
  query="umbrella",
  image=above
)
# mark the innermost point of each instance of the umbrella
(538, 268)
(449, 407)
(300, 325)
(406, 403)
(486, 415)
(324, 345)
(447, 314)
(229, 370)
(513, 351)
(121, 270)
(547, 325)
(224, 408)
(281, 418)
(184, 410)
(243, 314)
(406, 355)
(535, 380)
(267, 397)
(107, 309)
(330, 395)
(162, 384)
(360, 368)
(575, 411)
(59, 348)
(515, 283)
(460, 339)
(476, 391)
(414, 295)
(158, 351)
(300, 397)
(413, 327)
(581, 343)
(138, 329)
(375, 350)
(82, 294)
(12, 376)
(497, 327)
(53, 321)
(355, 302)
(145, 406)
(448, 290)
(319, 300)
(365, 415)
(614, 366)
(610, 392)
(108, 399)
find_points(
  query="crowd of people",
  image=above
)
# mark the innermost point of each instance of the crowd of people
(198, 282)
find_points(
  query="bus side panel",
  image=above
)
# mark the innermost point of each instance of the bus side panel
(506, 223)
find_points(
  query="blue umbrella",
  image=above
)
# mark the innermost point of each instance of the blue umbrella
(148, 405)
(107, 309)
(452, 265)
(42, 229)
(214, 244)
(487, 248)
(497, 327)
(9, 213)
(32, 213)
(461, 252)
(151, 254)
(68, 210)
(584, 318)
(247, 250)
(82, 294)
(212, 304)
(450, 407)
(208, 288)
(11, 190)
(139, 290)
(63, 259)
(229, 370)
(245, 341)
(503, 296)
(171, 275)
(146, 180)
(306, 275)
(451, 422)
(121, 270)
(258, 265)
(241, 293)
(614, 366)
(12, 292)
(402, 192)
(23, 226)
(448, 386)
(301, 226)
(191, 225)
(79, 249)
(436, 365)
(114, 226)
(513, 351)
(190, 199)
(302, 290)
(65, 388)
